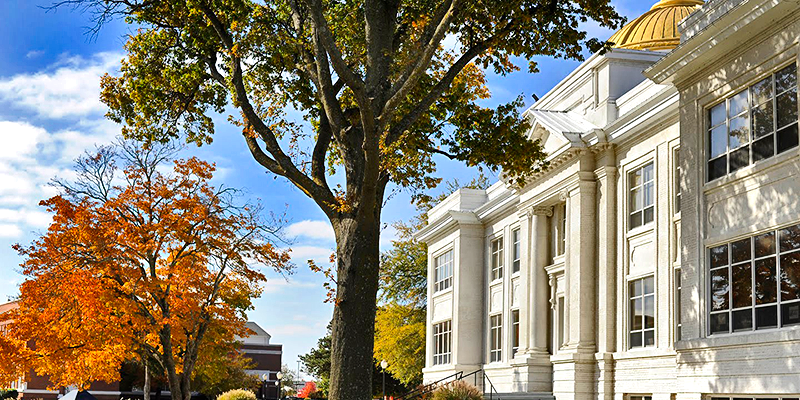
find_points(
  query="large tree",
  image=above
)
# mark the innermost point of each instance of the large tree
(144, 260)
(383, 85)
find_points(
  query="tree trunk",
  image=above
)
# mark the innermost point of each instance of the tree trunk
(146, 381)
(353, 328)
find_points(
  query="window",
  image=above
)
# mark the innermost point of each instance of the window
(643, 313)
(497, 259)
(516, 251)
(754, 124)
(755, 282)
(515, 331)
(678, 173)
(443, 271)
(642, 201)
(640, 397)
(442, 339)
(496, 345)
(678, 304)
(559, 229)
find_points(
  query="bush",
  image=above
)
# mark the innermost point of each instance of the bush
(237, 394)
(458, 390)
(8, 394)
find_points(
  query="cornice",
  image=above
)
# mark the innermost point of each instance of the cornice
(448, 222)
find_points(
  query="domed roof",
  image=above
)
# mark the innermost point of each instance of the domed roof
(656, 29)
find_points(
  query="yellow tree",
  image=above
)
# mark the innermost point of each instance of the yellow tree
(140, 262)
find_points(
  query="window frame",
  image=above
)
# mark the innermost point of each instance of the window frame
(677, 172)
(632, 298)
(439, 282)
(496, 255)
(496, 338)
(642, 186)
(516, 250)
(442, 342)
(749, 113)
(515, 324)
(752, 263)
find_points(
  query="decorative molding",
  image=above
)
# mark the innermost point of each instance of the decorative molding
(564, 195)
(553, 292)
(546, 211)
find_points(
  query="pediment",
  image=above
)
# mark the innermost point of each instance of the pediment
(558, 129)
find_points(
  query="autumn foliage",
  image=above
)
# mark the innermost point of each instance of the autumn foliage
(145, 260)
(309, 389)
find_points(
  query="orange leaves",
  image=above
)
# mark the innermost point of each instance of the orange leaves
(155, 267)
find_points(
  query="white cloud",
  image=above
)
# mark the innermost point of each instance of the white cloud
(10, 231)
(293, 330)
(312, 229)
(29, 217)
(275, 285)
(34, 54)
(69, 88)
(316, 253)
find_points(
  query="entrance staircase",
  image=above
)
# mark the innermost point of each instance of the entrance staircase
(478, 379)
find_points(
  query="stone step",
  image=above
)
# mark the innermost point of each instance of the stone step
(520, 396)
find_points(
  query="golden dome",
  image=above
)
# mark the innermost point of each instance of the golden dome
(656, 29)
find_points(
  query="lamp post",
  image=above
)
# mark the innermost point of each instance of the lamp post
(279, 376)
(384, 364)
(264, 379)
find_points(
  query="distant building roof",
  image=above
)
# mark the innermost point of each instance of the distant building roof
(259, 336)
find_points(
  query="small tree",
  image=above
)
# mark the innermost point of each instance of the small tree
(139, 260)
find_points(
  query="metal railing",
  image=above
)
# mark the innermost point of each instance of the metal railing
(478, 378)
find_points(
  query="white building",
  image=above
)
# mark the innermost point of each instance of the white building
(659, 255)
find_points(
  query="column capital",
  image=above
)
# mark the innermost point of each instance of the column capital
(546, 211)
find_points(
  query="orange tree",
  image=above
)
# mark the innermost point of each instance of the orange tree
(139, 263)
(383, 86)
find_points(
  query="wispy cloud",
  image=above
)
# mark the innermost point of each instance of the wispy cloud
(312, 230)
(69, 88)
(34, 54)
(10, 231)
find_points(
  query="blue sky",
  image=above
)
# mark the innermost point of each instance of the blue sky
(50, 114)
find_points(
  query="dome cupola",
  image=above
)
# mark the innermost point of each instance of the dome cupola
(656, 29)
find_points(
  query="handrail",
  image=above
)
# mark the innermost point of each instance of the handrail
(458, 376)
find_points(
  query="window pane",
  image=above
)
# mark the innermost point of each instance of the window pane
(636, 199)
(649, 285)
(636, 178)
(787, 138)
(737, 103)
(762, 91)
(743, 320)
(766, 281)
(767, 317)
(786, 78)
(739, 133)
(649, 312)
(717, 168)
(765, 244)
(740, 158)
(742, 291)
(636, 339)
(636, 288)
(648, 194)
(790, 238)
(719, 323)
(763, 148)
(636, 315)
(787, 108)
(717, 114)
(790, 314)
(636, 219)
(790, 276)
(740, 250)
(719, 289)
(718, 141)
(648, 172)
(719, 256)
(763, 120)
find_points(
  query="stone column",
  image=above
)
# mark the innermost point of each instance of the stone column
(539, 286)
(524, 295)
(580, 267)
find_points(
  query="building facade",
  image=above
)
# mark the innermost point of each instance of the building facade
(658, 257)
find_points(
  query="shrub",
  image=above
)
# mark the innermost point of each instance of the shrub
(237, 394)
(458, 390)
(8, 394)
